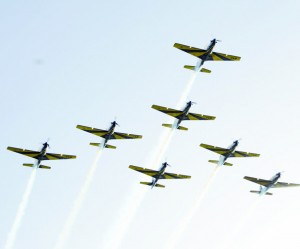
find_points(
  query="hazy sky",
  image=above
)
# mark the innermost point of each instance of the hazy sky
(65, 63)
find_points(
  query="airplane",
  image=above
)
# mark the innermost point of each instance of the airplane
(205, 55)
(181, 115)
(107, 135)
(158, 174)
(265, 185)
(40, 156)
(226, 153)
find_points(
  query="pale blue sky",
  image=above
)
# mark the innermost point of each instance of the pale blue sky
(65, 63)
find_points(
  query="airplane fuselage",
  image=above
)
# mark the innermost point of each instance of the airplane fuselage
(264, 189)
(205, 56)
(42, 153)
(110, 132)
(232, 149)
(184, 114)
(160, 173)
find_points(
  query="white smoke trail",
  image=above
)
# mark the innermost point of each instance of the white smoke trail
(175, 237)
(21, 210)
(127, 213)
(187, 90)
(64, 235)
(230, 238)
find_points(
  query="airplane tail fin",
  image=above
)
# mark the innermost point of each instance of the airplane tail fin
(106, 146)
(150, 184)
(216, 162)
(258, 192)
(44, 167)
(179, 127)
(203, 70)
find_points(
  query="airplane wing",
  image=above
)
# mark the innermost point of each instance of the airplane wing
(219, 150)
(169, 111)
(244, 154)
(95, 131)
(149, 172)
(195, 116)
(284, 185)
(119, 135)
(30, 153)
(258, 181)
(191, 50)
(174, 176)
(51, 156)
(214, 56)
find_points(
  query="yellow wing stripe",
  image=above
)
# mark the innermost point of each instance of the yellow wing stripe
(195, 116)
(52, 156)
(244, 154)
(95, 131)
(169, 111)
(191, 50)
(214, 56)
(29, 153)
(258, 181)
(219, 150)
(145, 171)
(118, 135)
(174, 176)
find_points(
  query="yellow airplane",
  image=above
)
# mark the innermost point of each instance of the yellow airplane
(181, 115)
(107, 135)
(205, 55)
(225, 153)
(265, 185)
(40, 156)
(158, 174)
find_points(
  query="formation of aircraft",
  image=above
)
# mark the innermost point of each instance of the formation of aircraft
(225, 153)
(265, 185)
(158, 174)
(107, 135)
(40, 156)
(181, 115)
(205, 55)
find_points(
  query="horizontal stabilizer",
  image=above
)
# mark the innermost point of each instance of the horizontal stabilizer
(28, 164)
(106, 146)
(150, 184)
(204, 70)
(110, 146)
(44, 167)
(95, 144)
(182, 128)
(258, 192)
(189, 67)
(167, 125)
(217, 162)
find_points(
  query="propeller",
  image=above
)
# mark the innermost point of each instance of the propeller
(46, 144)
(237, 140)
(115, 123)
(165, 164)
